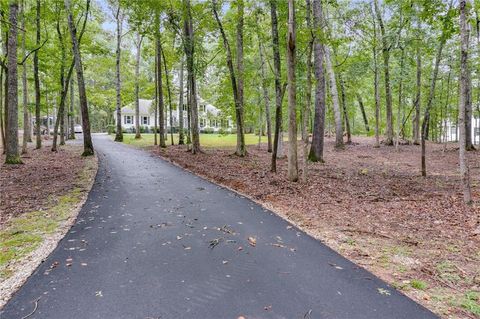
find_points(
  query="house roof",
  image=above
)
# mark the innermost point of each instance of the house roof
(146, 107)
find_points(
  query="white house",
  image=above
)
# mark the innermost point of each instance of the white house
(209, 117)
(451, 131)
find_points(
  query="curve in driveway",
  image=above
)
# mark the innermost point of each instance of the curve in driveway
(154, 241)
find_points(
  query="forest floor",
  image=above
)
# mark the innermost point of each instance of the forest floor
(373, 207)
(39, 200)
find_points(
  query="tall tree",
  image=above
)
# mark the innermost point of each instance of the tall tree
(118, 83)
(266, 97)
(138, 45)
(316, 150)
(87, 138)
(159, 88)
(308, 95)
(386, 47)
(12, 154)
(431, 93)
(292, 94)
(236, 76)
(278, 89)
(181, 133)
(27, 136)
(463, 98)
(376, 81)
(189, 47)
(37, 81)
(169, 94)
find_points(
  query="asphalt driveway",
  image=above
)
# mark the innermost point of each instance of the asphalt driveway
(154, 241)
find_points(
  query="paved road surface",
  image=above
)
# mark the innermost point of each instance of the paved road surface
(141, 248)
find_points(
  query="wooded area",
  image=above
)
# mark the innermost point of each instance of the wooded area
(363, 84)
(344, 63)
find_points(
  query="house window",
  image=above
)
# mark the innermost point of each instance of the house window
(203, 108)
(202, 122)
(145, 120)
(477, 131)
(128, 119)
(214, 123)
(185, 107)
(453, 130)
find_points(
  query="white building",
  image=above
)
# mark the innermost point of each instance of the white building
(210, 118)
(452, 131)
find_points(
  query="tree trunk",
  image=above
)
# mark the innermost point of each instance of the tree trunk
(169, 96)
(376, 83)
(468, 112)
(161, 104)
(278, 88)
(26, 120)
(343, 101)
(137, 88)
(12, 155)
(236, 76)
(362, 109)
(180, 107)
(37, 83)
(416, 119)
(308, 95)
(87, 138)
(118, 84)
(426, 117)
(63, 93)
(2, 126)
(400, 98)
(266, 98)
(335, 101)
(463, 100)
(241, 148)
(292, 94)
(316, 151)
(386, 69)
(189, 47)
(72, 109)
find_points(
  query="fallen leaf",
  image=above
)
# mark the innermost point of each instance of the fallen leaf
(252, 241)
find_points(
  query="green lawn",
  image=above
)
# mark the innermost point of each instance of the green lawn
(206, 140)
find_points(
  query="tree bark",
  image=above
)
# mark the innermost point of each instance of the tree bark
(386, 70)
(463, 100)
(72, 110)
(362, 109)
(400, 98)
(316, 150)
(161, 104)
(236, 76)
(308, 95)
(12, 154)
(343, 101)
(266, 98)
(278, 88)
(137, 88)
(27, 137)
(37, 83)
(87, 138)
(335, 101)
(189, 47)
(181, 135)
(2, 126)
(416, 119)
(426, 117)
(169, 95)
(118, 83)
(376, 83)
(292, 94)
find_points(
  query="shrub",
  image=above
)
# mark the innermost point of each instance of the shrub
(111, 129)
(208, 130)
